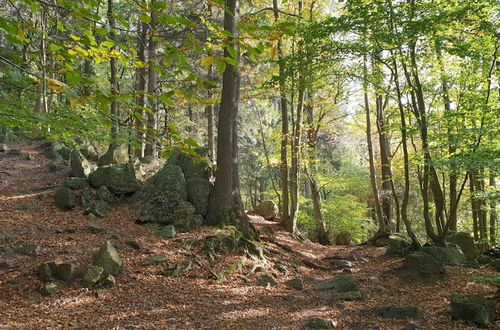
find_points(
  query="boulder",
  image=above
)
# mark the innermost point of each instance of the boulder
(108, 258)
(267, 209)
(198, 191)
(319, 323)
(450, 255)
(341, 283)
(80, 166)
(400, 313)
(168, 208)
(473, 308)
(119, 179)
(4, 147)
(76, 183)
(397, 245)
(47, 271)
(484, 259)
(67, 272)
(59, 150)
(495, 264)
(96, 209)
(424, 265)
(192, 166)
(295, 283)
(343, 238)
(170, 178)
(65, 199)
(103, 194)
(26, 249)
(92, 276)
(466, 243)
(116, 154)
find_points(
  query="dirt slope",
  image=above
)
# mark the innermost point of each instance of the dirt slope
(144, 299)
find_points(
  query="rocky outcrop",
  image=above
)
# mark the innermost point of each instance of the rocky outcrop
(80, 166)
(267, 209)
(119, 179)
(116, 154)
(473, 308)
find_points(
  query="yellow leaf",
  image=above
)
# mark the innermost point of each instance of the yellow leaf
(56, 85)
(63, 71)
(76, 101)
(20, 34)
(207, 61)
(273, 51)
(75, 38)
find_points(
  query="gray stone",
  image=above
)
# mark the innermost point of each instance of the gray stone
(47, 271)
(266, 280)
(96, 229)
(87, 196)
(192, 166)
(120, 179)
(65, 199)
(382, 241)
(340, 264)
(80, 166)
(108, 281)
(495, 264)
(92, 276)
(4, 147)
(343, 238)
(168, 208)
(134, 244)
(67, 272)
(397, 245)
(169, 179)
(166, 232)
(449, 255)
(466, 243)
(198, 191)
(424, 264)
(400, 313)
(116, 154)
(105, 195)
(49, 289)
(156, 260)
(320, 323)
(350, 295)
(108, 258)
(57, 164)
(76, 183)
(341, 283)
(59, 149)
(267, 209)
(97, 209)
(483, 259)
(295, 283)
(26, 249)
(473, 308)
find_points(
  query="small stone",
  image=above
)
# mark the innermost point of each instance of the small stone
(341, 283)
(166, 232)
(350, 296)
(26, 249)
(295, 283)
(4, 147)
(156, 260)
(67, 272)
(65, 199)
(108, 258)
(108, 281)
(46, 272)
(340, 264)
(76, 183)
(49, 289)
(399, 313)
(320, 323)
(92, 275)
(96, 229)
(473, 308)
(134, 245)
(266, 280)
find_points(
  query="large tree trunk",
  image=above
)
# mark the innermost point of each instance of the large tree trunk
(152, 123)
(112, 75)
(285, 205)
(141, 88)
(493, 212)
(225, 206)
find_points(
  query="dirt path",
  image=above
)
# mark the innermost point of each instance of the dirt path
(145, 300)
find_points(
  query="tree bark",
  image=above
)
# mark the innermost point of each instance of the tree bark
(112, 75)
(152, 100)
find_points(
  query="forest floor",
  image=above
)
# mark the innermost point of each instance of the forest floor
(142, 298)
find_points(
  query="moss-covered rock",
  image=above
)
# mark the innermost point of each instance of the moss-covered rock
(119, 179)
(450, 255)
(473, 308)
(80, 166)
(65, 199)
(92, 275)
(108, 258)
(116, 154)
(466, 243)
(424, 264)
(76, 183)
(397, 245)
(169, 179)
(341, 283)
(400, 313)
(198, 192)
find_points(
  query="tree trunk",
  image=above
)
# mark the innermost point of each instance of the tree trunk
(493, 212)
(225, 206)
(112, 77)
(141, 88)
(285, 207)
(152, 100)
